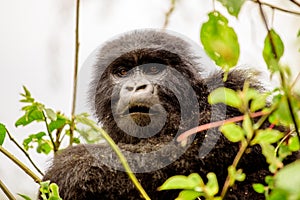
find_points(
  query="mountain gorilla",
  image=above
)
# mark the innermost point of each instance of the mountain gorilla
(148, 87)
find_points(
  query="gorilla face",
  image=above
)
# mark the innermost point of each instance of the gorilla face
(141, 94)
(138, 110)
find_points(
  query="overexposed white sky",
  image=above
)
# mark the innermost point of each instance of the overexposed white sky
(37, 50)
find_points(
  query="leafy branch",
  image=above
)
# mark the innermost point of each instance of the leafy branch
(275, 42)
(221, 44)
(24, 151)
(276, 7)
(20, 164)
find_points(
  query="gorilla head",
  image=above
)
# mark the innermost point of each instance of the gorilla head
(147, 84)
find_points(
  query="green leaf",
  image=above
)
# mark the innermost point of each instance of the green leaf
(235, 175)
(226, 96)
(44, 147)
(55, 190)
(83, 118)
(259, 188)
(220, 41)
(232, 132)
(24, 197)
(267, 136)
(39, 135)
(27, 96)
(294, 143)
(212, 187)
(283, 151)
(240, 176)
(58, 123)
(44, 187)
(288, 179)
(188, 195)
(233, 6)
(258, 100)
(269, 180)
(90, 135)
(268, 151)
(2, 133)
(278, 194)
(76, 140)
(273, 50)
(281, 114)
(35, 115)
(27, 93)
(182, 182)
(50, 114)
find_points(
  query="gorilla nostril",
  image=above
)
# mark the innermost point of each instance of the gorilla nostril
(141, 87)
(145, 88)
(129, 88)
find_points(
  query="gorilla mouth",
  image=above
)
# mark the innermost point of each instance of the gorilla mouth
(139, 109)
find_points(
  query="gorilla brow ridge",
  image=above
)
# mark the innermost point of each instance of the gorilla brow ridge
(145, 56)
(138, 57)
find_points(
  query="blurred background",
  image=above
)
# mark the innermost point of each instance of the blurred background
(37, 50)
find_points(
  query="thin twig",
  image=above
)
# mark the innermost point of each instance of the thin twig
(296, 80)
(197, 129)
(6, 191)
(264, 19)
(169, 13)
(282, 140)
(25, 152)
(283, 83)
(20, 164)
(72, 127)
(295, 2)
(244, 145)
(123, 161)
(49, 133)
(276, 7)
(289, 101)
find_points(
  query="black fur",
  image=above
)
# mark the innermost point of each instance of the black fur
(81, 172)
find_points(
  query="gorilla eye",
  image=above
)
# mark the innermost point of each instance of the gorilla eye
(122, 72)
(154, 69)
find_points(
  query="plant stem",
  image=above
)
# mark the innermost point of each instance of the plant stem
(25, 152)
(276, 7)
(169, 13)
(49, 133)
(123, 161)
(244, 145)
(72, 127)
(282, 78)
(21, 165)
(6, 191)
(289, 101)
(197, 129)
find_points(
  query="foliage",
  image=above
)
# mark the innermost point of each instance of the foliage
(2, 133)
(49, 191)
(221, 44)
(57, 126)
(220, 41)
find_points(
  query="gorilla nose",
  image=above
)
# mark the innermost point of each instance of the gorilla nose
(142, 88)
